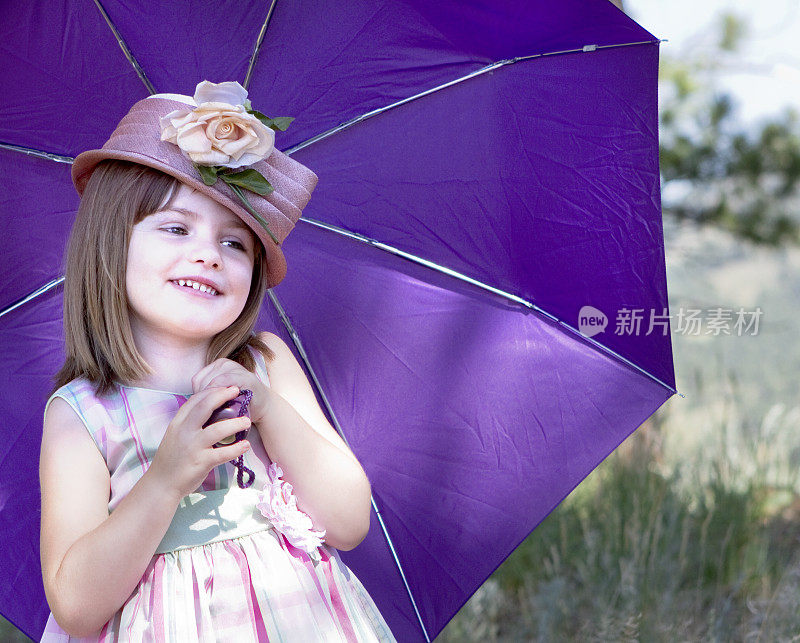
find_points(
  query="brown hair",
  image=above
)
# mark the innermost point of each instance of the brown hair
(98, 340)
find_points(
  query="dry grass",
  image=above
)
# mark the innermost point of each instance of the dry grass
(701, 549)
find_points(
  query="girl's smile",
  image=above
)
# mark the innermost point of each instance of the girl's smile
(197, 286)
(189, 269)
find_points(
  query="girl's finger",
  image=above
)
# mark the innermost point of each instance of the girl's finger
(226, 454)
(205, 376)
(200, 379)
(227, 373)
(233, 378)
(201, 405)
(220, 431)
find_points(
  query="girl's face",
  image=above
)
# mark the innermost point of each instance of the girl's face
(201, 243)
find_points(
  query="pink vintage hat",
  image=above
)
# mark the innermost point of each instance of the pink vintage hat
(138, 138)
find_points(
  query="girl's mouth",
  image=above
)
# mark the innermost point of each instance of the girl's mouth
(195, 288)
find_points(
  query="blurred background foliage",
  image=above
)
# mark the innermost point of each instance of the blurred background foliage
(712, 170)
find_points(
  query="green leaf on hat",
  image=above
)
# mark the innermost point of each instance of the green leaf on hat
(249, 179)
(208, 173)
(238, 192)
(279, 123)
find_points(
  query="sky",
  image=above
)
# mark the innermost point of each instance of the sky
(765, 77)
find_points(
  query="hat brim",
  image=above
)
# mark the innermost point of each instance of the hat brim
(137, 139)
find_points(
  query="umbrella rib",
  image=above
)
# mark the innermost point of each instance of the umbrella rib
(497, 291)
(346, 124)
(381, 246)
(423, 262)
(50, 156)
(478, 72)
(257, 48)
(39, 291)
(131, 59)
(304, 356)
(357, 119)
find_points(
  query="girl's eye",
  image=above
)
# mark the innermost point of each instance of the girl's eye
(175, 227)
(235, 243)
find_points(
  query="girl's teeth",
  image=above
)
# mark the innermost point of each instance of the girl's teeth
(196, 286)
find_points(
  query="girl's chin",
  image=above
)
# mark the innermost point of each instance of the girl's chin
(191, 316)
(191, 329)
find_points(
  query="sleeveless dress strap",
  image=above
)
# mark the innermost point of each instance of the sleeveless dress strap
(261, 365)
(91, 410)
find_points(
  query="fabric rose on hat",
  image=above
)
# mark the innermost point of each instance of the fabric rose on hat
(219, 131)
(279, 505)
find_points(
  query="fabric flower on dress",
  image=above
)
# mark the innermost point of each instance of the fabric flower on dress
(279, 505)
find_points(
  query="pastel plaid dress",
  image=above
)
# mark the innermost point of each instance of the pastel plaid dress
(249, 583)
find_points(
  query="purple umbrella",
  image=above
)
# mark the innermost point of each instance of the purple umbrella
(488, 187)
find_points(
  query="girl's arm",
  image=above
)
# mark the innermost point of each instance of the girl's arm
(329, 482)
(92, 561)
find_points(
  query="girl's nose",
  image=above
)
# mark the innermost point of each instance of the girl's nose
(207, 252)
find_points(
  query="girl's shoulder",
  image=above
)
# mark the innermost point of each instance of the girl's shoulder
(93, 410)
(92, 407)
(77, 390)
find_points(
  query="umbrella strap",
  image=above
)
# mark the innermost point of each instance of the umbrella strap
(241, 469)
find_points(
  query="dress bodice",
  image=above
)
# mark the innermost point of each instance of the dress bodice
(128, 423)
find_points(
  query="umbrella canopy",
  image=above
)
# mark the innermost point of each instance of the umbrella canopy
(487, 170)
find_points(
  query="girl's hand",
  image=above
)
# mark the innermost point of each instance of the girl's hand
(226, 372)
(186, 454)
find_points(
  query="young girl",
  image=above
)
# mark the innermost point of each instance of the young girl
(155, 528)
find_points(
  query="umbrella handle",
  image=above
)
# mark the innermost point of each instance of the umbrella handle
(243, 399)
